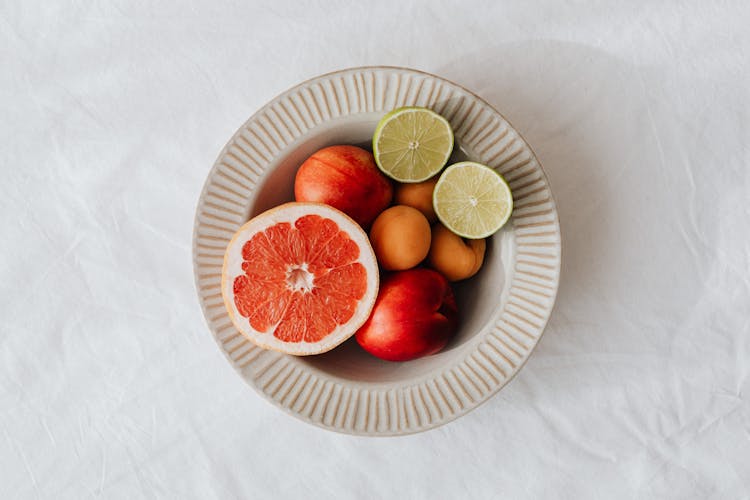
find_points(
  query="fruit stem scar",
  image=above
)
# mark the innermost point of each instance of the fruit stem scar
(298, 278)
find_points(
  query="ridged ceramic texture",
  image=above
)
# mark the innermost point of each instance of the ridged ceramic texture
(500, 349)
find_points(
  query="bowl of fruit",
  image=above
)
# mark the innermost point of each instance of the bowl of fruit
(376, 251)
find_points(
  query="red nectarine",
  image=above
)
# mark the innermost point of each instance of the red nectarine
(347, 178)
(414, 315)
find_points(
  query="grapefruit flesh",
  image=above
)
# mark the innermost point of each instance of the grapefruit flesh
(300, 278)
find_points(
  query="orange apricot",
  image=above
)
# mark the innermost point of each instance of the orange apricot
(419, 196)
(454, 257)
(400, 237)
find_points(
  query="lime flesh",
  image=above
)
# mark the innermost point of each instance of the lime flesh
(472, 200)
(412, 144)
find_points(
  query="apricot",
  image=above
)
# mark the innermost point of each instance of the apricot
(454, 257)
(419, 196)
(400, 237)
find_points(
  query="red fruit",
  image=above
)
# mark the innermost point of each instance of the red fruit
(414, 315)
(300, 278)
(347, 178)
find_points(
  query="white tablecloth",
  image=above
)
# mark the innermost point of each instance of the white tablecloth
(112, 114)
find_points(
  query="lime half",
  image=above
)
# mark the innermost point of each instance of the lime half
(412, 144)
(472, 200)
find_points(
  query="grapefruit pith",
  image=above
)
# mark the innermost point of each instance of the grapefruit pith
(300, 278)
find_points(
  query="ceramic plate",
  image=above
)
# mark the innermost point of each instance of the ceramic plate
(504, 308)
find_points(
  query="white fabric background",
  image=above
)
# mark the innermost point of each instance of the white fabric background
(112, 114)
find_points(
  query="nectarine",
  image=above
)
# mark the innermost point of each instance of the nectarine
(347, 178)
(414, 315)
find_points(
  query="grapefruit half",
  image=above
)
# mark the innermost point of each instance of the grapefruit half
(300, 278)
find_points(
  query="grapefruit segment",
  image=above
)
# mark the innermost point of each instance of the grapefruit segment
(341, 250)
(316, 233)
(300, 278)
